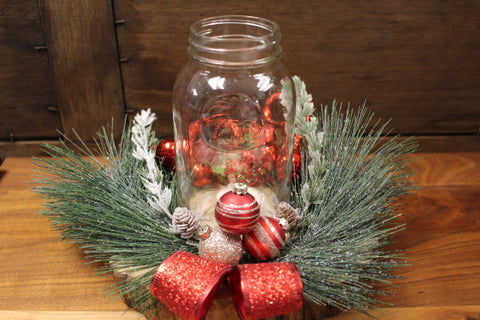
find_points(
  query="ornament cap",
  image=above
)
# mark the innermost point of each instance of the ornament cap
(240, 188)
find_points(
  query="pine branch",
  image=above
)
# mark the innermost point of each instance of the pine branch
(103, 207)
(349, 197)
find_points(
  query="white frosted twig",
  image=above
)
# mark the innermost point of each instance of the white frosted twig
(143, 137)
(306, 125)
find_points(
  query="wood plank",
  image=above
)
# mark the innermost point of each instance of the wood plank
(70, 315)
(423, 313)
(446, 169)
(82, 49)
(442, 239)
(40, 272)
(26, 81)
(442, 272)
(414, 63)
(446, 143)
(30, 148)
(439, 211)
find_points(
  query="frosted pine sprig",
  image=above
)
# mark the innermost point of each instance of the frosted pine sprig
(305, 121)
(306, 125)
(143, 137)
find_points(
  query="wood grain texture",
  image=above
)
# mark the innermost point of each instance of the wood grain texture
(82, 49)
(70, 315)
(426, 144)
(446, 143)
(424, 313)
(33, 147)
(416, 63)
(39, 272)
(419, 313)
(454, 169)
(44, 278)
(26, 81)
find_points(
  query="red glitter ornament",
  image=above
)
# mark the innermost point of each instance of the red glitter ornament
(266, 240)
(202, 175)
(297, 157)
(166, 153)
(247, 170)
(297, 141)
(296, 163)
(267, 110)
(201, 151)
(264, 290)
(274, 132)
(270, 156)
(237, 211)
(194, 130)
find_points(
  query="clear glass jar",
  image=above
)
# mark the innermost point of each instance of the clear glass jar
(233, 117)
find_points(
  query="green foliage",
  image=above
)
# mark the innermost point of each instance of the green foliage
(102, 206)
(348, 198)
(348, 201)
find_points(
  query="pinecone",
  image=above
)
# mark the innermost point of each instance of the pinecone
(287, 212)
(184, 222)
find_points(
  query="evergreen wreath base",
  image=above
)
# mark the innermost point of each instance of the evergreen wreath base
(348, 197)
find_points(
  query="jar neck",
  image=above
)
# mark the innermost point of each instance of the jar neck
(235, 41)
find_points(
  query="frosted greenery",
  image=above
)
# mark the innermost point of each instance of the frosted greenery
(348, 196)
(101, 205)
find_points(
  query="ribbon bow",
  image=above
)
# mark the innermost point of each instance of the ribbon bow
(187, 285)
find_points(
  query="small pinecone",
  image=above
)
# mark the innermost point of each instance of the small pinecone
(184, 222)
(289, 213)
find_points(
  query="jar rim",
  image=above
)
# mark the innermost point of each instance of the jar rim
(213, 39)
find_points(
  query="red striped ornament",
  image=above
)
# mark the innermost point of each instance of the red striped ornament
(237, 211)
(266, 240)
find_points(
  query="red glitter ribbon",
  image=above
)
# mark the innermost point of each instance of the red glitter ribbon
(265, 290)
(187, 285)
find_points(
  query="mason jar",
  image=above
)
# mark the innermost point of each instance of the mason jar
(233, 112)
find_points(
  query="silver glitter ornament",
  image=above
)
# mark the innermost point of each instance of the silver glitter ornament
(221, 247)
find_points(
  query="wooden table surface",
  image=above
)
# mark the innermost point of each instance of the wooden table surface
(44, 278)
